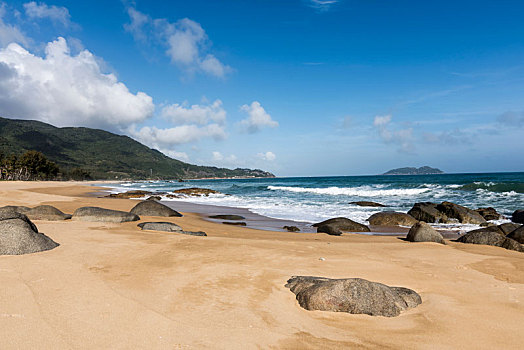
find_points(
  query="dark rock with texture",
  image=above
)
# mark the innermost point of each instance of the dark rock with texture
(509, 227)
(367, 204)
(154, 208)
(352, 295)
(291, 228)
(427, 212)
(227, 217)
(488, 213)
(47, 212)
(18, 235)
(518, 216)
(462, 214)
(517, 235)
(487, 237)
(160, 226)
(392, 218)
(422, 232)
(241, 223)
(336, 226)
(131, 194)
(96, 214)
(18, 208)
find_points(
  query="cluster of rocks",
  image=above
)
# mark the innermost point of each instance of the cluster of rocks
(180, 193)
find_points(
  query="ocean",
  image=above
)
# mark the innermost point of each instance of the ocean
(313, 199)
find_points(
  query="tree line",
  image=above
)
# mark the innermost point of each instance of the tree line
(33, 165)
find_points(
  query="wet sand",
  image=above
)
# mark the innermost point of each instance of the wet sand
(114, 286)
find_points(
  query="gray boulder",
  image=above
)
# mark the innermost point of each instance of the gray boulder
(427, 212)
(487, 237)
(352, 295)
(509, 227)
(488, 213)
(47, 212)
(392, 218)
(517, 235)
(336, 226)
(168, 227)
(367, 204)
(18, 208)
(462, 214)
(518, 216)
(153, 208)
(291, 228)
(227, 217)
(18, 235)
(422, 232)
(96, 214)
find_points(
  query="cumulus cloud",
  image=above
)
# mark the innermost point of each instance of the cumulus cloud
(186, 42)
(169, 137)
(197, 114)
(402, 137)
(514, 119)
(219, 158)
(66, 90)
(269, 156)
(9, 33)
(257, 119)
(41, 10)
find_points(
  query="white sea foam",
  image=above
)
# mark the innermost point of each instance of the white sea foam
(361, 191)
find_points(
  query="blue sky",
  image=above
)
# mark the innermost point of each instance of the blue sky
(297, 87)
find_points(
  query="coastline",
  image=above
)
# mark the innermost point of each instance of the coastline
(114, 286)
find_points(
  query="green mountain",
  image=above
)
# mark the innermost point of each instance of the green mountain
(425, 170)
(103, 154)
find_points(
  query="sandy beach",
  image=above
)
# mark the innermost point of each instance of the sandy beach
(113, 286)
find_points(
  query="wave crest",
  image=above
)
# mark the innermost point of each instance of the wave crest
(362, 191)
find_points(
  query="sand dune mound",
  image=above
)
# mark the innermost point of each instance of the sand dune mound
(352, 295)
(18, 235)
(47, 212)
(96, 214)
(153, 208)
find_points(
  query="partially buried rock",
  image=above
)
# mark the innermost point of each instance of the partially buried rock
(367, 204)
(168, 227)
(154, 198)
(153, 208)
(291, 228)
(336, 226)
(488, 213)
(427, 212)
(131, 194)
(18, 235)
(352, 295)
(517, 235)
(18, 208)
(227, 217)
(422, 232)
(392, 218)
(462, 214)
(235, 223)
(508, 227)
(493, 238)
(47, 212)
(518, 216)
(96, 214)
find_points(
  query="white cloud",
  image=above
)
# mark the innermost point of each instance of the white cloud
(186, 42)
(10, 33)
(402, 137)
(166, 138)
(513, 119)
(258, 118)
(176, 155)
(197, 114)
(43, 11)
(219, 158)
(322, 5)
(269, 156)
(66, 90)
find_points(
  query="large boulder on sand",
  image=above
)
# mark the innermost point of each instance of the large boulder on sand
(392, 218)
(517, 235)
(18, 235)
(488, 213)
(18, 208)
(518, 216)
(490, 237)
(336, 226)
(96, 214)
(168, 227)
(462, 214)
(422, 232)
(508, 227)
(153, 208)
(47, 212)
(427, 212)
(352, 295)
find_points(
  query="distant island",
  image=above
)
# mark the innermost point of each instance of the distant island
(424, 170)
(97, 154)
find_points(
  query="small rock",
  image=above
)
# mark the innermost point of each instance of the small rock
(235, 223)
(291, 228)
(227, 217)
(367, 204)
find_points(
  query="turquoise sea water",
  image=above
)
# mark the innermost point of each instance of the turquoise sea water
(313, 199)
